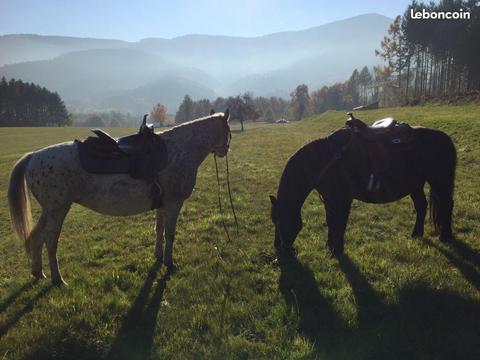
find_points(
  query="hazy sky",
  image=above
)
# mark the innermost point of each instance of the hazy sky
(134, 20)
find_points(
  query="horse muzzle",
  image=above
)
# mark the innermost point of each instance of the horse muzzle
(221, 151)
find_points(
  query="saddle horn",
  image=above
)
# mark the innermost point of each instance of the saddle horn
(144, 128)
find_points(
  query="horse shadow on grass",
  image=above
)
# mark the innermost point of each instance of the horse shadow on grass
(318, 320)
(422, 323)
(24, 309)
(465, 251)
(10, 299)
(463, 257)
(134, 339)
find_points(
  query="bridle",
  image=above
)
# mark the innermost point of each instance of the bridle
(223, 149)
(226, 148)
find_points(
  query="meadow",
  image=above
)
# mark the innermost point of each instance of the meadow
(390, 296)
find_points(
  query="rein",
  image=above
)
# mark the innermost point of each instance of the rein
(229, 195)
(225, 147)
(336, 156)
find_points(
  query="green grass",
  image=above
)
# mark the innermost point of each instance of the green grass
(391, 297)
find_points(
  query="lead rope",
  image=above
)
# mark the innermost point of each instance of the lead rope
(220, 200)
(230, 194)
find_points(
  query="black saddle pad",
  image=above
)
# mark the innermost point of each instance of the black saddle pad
(136, 155)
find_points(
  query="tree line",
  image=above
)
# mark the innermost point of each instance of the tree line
(28, 104)
(246, 107)
(243, 107)
(432, 58)
(106, 118)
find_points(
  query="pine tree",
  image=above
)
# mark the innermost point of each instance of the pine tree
(299, 102)
(365, 78)
(185, 111)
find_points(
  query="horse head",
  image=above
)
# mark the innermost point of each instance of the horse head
(287, 227)
(222, 147)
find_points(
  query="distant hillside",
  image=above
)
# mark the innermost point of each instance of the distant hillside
(29, 47)
(171, 89)
(111, 74)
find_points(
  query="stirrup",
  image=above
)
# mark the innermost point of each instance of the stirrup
(373, 183)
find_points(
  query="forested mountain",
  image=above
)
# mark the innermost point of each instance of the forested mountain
(99, 73)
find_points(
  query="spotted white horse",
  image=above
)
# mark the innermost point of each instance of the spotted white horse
(56, 179)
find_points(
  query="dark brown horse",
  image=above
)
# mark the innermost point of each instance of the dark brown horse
(339, 167)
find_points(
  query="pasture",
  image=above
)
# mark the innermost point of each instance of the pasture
(391, 296)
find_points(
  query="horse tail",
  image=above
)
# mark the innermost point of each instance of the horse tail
(441, 190)
(19, 201)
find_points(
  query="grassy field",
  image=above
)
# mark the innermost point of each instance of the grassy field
(391, 297)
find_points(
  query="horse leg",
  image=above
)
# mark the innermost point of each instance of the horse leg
(53, 226)
(420, 203)
(159, 230)
(446, 233)
(337, 211)
(35, 243)
(171, 216)
(441, 203)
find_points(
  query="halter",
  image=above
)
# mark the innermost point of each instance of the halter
(225, 147)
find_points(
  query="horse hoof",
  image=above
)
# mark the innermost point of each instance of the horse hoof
(59, 282)
(417, 234)
(282, 260)
(447, 238)
(38, 275)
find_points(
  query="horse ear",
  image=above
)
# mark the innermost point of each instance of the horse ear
(273, 200)
(212, 112)
(226, 115)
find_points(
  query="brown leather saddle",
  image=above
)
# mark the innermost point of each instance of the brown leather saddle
(381, 139)
(141, 156)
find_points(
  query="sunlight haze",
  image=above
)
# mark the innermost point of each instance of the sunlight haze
(132, 21)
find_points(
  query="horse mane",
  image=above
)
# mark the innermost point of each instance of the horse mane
(303, 166)
(199, 120)
(295, 172)
(188, 125)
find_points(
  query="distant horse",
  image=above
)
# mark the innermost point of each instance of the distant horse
(56, 178)
(339, 168)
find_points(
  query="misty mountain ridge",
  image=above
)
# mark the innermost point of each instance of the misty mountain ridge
(103, 74)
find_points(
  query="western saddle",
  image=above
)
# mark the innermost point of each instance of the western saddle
(142, 156)
(381, 139)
